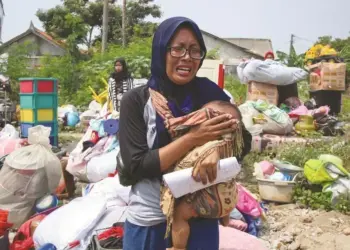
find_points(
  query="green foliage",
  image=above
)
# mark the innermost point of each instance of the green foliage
(313, 200)
(310, 197)
(74, 76)
(78, 20)
(237, 90)
(213, 54)
(292, 60)
(66, 70)
(18, 65)
(89, 73)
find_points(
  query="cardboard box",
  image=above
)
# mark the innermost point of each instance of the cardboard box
(327, 76)
(262, 91)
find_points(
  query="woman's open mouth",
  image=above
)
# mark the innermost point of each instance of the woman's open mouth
(183, 71)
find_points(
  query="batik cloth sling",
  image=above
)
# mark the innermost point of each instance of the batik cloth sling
(213, 202)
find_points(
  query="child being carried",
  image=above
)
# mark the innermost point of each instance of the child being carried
(216, 201)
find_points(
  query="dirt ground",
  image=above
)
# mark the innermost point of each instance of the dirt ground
(291, 228)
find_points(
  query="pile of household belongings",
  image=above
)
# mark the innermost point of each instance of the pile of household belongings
(329, 174)
(261, 115)
(95, 221)
(68, 115)
(27, 174)
(94, 157)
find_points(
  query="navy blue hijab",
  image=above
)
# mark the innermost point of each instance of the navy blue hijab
(182, 99)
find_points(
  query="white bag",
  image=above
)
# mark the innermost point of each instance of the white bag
(9, 132)
(113, 215)
(112, 190)
(272, 72)
(66, 109)
(70, 223)
(99, 167)
(274, 128)
(29, 173)
(248, 112)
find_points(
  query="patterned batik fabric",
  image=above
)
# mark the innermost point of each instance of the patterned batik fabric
(213, 202)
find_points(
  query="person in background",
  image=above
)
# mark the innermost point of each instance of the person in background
(269, 55)
(119, 83)
(146, 148)
(284, 92)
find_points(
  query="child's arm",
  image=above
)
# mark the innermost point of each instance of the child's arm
(224, 221)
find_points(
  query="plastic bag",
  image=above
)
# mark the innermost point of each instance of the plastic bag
(62, 111)
(111, 189)
(95, 106)
(278, 121)
(70, 223)
(8, 132)
(99, 167)
(29, 173)
(7, 146)
(247, 204)
(248, 112)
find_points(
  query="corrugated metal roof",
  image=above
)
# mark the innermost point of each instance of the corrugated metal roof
(256, 45)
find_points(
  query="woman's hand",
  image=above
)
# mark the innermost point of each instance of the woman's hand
(207, 169)
(212, 129)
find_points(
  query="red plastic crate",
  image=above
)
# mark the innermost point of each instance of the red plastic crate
(45, 86)
(26, 87)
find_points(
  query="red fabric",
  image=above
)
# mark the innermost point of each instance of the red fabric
(116, 232)
(269, 53)
(4, 225)
(113, 174)
(94, 137)
(23, 239)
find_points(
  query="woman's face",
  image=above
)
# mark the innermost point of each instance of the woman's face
(269, 56)
(182, 70)
(118, 67)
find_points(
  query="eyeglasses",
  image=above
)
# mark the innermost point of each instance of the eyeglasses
(178, 51)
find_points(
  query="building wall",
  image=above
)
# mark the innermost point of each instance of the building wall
(42, 48)
(228, 53)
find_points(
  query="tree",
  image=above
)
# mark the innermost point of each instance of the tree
(83, 18)
(213, 54)
(18, 65)
(292, 60)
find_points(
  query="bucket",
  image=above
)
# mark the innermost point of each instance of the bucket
(277, 191)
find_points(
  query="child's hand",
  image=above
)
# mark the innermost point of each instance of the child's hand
(212, 129)
(207, 169)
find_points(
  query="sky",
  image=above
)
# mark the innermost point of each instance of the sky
(272, 19)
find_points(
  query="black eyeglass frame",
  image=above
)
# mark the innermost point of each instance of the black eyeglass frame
(185, 51)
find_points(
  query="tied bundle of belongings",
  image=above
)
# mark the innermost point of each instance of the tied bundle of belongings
(260, 117)
(269, 71)
(28, 174)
